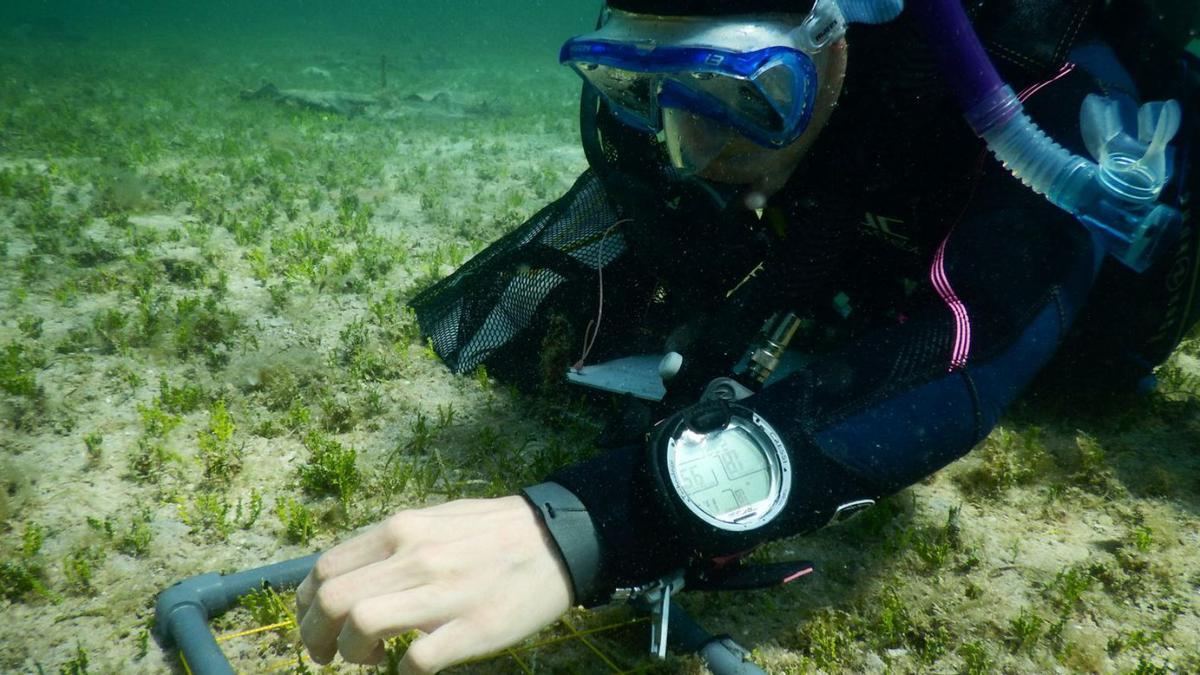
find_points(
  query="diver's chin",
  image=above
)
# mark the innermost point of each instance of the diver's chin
(729, 193)
(733, 172)
(753, 186)
(752, 170)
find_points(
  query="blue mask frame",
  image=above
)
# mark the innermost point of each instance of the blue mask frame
(668, 69)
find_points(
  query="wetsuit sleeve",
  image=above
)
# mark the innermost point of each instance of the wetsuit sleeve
(889, 410)
(869, 419)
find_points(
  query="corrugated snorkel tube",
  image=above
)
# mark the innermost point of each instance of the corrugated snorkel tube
(1116, 195)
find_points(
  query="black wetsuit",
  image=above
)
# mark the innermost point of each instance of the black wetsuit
(932, 284)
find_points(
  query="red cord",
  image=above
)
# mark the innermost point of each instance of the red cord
(593, 327)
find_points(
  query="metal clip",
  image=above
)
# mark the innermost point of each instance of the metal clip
(660, 619)
(655, 598)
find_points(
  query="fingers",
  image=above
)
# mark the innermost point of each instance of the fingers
(382, 541)
(384, 538)
(318, 630)
(374, 620)
(369, 547)
(442, 569)
(452, 643)
(361, 595)
(347, 597)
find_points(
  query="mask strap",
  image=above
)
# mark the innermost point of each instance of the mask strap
(828, 20)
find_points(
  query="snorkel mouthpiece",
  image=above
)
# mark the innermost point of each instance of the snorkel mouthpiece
(1115, 195)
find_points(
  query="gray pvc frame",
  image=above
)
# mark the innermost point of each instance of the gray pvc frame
(183, 611)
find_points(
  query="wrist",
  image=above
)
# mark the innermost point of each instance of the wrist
(636, 545)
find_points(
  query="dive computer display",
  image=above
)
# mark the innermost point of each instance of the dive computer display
(725, 465)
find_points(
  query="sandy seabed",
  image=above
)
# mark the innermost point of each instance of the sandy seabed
(205, 365)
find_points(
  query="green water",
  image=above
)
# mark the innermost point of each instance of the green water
(463, 27)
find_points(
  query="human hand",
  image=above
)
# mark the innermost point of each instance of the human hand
(474, 575)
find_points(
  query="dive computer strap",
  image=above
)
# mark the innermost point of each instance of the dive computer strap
(571, 528)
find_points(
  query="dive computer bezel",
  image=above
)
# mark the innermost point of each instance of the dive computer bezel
(706, 530)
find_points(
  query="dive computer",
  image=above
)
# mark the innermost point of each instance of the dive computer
(723, 470)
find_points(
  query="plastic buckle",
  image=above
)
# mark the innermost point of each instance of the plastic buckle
(824, 24)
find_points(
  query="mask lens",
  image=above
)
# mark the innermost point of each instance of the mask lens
(757, 102)
(779, 84)
(634, 92)
(693, 141)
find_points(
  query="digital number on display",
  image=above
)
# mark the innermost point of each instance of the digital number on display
(723, 474)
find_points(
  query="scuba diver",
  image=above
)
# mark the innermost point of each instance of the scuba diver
(811, 283)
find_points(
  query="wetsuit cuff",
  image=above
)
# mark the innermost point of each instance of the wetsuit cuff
(571, 527)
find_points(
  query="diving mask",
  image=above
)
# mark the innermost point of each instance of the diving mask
(748, 75)
(701, 81)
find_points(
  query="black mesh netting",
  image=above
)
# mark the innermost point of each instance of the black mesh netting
(483, 305)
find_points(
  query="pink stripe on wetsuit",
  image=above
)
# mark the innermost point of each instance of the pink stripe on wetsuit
(937, 273)
(962, 320)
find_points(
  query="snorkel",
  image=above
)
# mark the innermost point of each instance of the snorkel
(1115, 196)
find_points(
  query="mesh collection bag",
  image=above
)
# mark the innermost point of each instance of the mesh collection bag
(483, 306)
